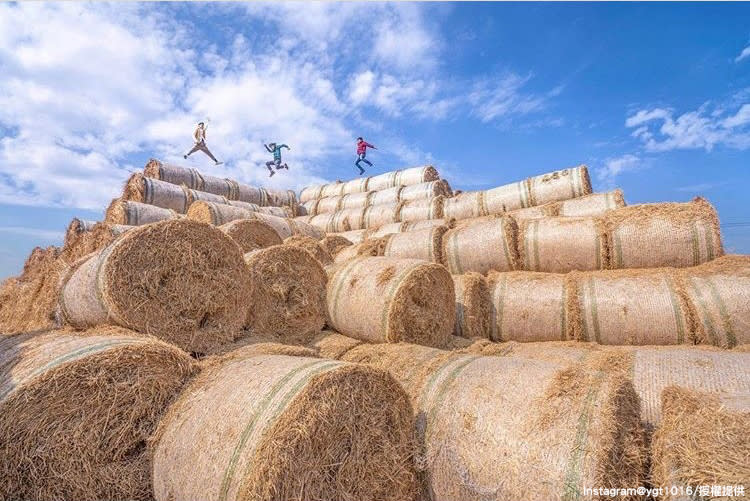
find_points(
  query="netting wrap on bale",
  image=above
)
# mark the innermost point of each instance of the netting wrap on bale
(129, 213)
(430, 223)
(76, 411)
(559, 185)
(720, 293)
(378, 215)
(507, 198)
(381, 299)
(328, 205)
(385, 230)
(465, 206)
(481, 246)
(560, 245)
(472, 305)
(370, 247)
(140, 188)
(217, 213)
(486, 422)
(528, 306)
(386, 196)
(665, 234)
(332, 190)
(288, 299)
(421, 244)
(638, 307)
(182, 281)
(354, 236)
(280, 198)
(246, 193)
(312, 246)
(261, 427)
(536, 212)
(358, 200)
(251, 234)
(173, 174)
(203, 196)
(355, 186)
(348, 220)
(217, 186)
(425, 190)
(244, 205)
(334, 243)
(310, 193)
(420, 210)
(590, 205)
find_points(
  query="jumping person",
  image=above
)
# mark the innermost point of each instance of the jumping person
(276, 150)
(362, 146)
(200, 143)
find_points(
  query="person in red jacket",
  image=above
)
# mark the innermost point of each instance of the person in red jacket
(362, 146)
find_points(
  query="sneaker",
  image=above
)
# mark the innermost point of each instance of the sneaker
(271, 174)
(361, 171)
(184, 156)
(218, 163)
(286, 166)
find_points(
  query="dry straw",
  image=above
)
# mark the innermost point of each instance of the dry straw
(358, 200)
(528, 306)
(430, 189)
(420, 210)
(249, 194)
(559, 245)
(140, 188)
(173, 174)
(331, 344)
(507, 198)
(281, 198)
(334, 244)
(328, 204)
(217, 213)
(309, 208)
(590, 205)
(631, 307)
(251, 234)
(387, 300)
(559, 185)
(378, 215)
(465, 206)
(387, 196)
(288, 301)
(245, 205)
(664, 234)
(369, 247)
(420, 244)
(472, 306)
(347, 220)
(262, 427)
(358, 185)
(203, 196)
(131, 213)
(82, 240)
(720, 293)
(385, 230)
(76, 411)
(312, 246)
(702, 441)
(481, 246)
(431, 223)
(332, 190)
(310, 193)
(486, 422)
(182, 281)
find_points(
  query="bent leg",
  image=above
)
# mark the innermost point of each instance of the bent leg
(195, 148)
(205, 150)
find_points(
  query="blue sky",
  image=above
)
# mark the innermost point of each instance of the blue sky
(653, 97)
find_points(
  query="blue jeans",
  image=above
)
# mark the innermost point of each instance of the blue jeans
(361, 158)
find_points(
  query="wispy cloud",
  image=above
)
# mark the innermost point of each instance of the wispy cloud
(700, 187)
(608, 173)
(48, 235)
(495, 98)
(743, 55)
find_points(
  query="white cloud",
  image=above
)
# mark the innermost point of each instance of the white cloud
(614, 167)
(743, 55)
(704, 128)
(403, 40)
(361, 87)
(41, 234)
(497, 98)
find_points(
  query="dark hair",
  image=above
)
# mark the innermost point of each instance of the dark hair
(201, 123)
(359, 139)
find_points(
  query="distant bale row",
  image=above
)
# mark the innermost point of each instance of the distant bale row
(405, 177)
(227, 188)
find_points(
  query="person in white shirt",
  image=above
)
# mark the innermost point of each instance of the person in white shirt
(200, 143)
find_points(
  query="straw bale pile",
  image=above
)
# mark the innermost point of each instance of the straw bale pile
(312, 246)
(472, 305)
(419, 244)
(129, 213)
(173, 174)
(140, 188)
(181, 281)
(85, 237)
(481, 246)
(423, 209)
(335, 243)
(311, 429)
(353, 236)
(559, 245)
(378, 215)
(387, 300)
(369, 247)
(559, 185)
(251, 234)
(77, 409)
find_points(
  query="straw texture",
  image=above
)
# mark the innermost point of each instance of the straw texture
(507, 198)
(328, 204)
(591, 205)
(131, 213)
(378, 215)
(481, 246)
(465, 206)
(280, 198)
(251, 234)
(369, 247)
(217, 186)
(388, 196)
(140, 188)
(334, 243)
(347, 220)
(173, 174)
(354, 236)
(312, 246)
(472, 306)
(559, 245)
(430, 189)
(356, 185)
(358, 200)
(217, 213)
(332, 189)
(420, 210)
(421, 244)
(385, 230)
(387, 300)
(310, 193)
(559, 185)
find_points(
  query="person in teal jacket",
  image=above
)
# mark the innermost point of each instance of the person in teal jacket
(276, 150)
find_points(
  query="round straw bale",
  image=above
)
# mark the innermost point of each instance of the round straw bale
(420, 210)
(382, 181)
(217, 214)
(464, 206)
(347, 220)
(129, 213)
(328, 204)
(334, 243)
(331, 344)
(430, 223)
(420, 244)
(559, 185)
(97, 237)
(702, 441)
(217, 186)
(244, 205)
(472, 305)
(370, 247)
(332, 189)
(140, 188)
(562, 244)
(76, 411)
(506, 198)
(281, 198)
(248, 194)
(536, 212)
(415, 175)
(182, 281)
(251, 234)
(664, 234)
(378, 215)
(302, 228)
(286, 227)
(312, 429)
(289, 299)
(310, 193)
(387, 196)
(75, 235)
(173, 174)
(720, 293)
(385, 229)
(353, 236)
(261, 345)
(591, 205)
(309, 208)
(195, 196)
(387, 300)
(529, 306)
(487, 421)
(312, 246)
(358, 200)
(481, 246)
(277, 211)
(323, 222)
(430, 189)
(638, 307)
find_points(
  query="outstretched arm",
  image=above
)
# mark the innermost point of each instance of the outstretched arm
(269, 150)
(284, 146)
(370, 145)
